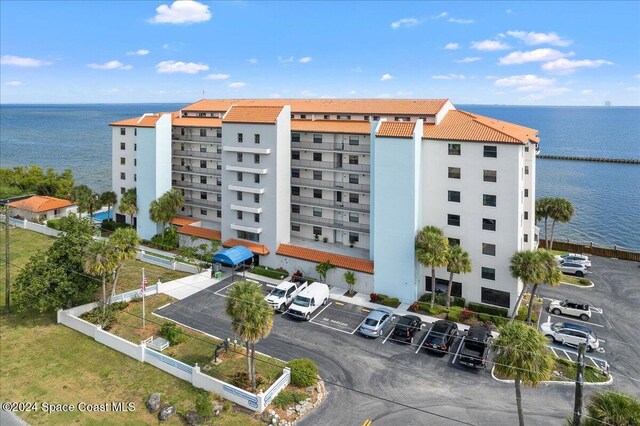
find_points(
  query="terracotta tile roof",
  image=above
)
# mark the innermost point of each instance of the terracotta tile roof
(254, 247)
(465, 126)
(331, 126)
(142, 121)
(252, 114)
(197, 122)
(40, 203)
(196, 231)
(419, 107)
(396, 129)
(318, 256)
(182, 221)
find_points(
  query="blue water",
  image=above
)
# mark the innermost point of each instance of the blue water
(606, 196)
(101, 216)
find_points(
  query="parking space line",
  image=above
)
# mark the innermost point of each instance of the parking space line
(366, 310)
(567, 355)
(333, 328)
(458, 351)
(390, 333)
(596, 310)
(423, 340)
(554, 351)
(316, 316)
(590, 324)
(339, 303)
(356, 329)
(223, 289)
(593, 362)
(602, 341)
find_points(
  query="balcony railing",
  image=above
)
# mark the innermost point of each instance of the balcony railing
(331, 223)
(321, 202)
(336, 186)
(202, 203)
(196, 154)
(346, 147)
(196, 138)
(196, 185)
(327, 165)
(356, 167)
(199, 170)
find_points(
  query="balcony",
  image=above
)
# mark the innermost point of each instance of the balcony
(196, 154)
(181, 184)
(331, 223)
(198, 202)
(332, 204)
(325, 165)
(326, 184)
(341, 147)
(196, 170)
(355, 167)
(196, 138)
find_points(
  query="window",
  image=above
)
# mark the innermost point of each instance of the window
(343, 117)
(526, 149)
(317, 230)
(295, 137)
(488, 273)
(303, 116)
(489, 175)
(123, 176)
(218, 181)
(354, 140)
(202, 114)
(182, 131)
(295, 190)
(354, 237)
(403, 119)
(218, 197)
(203, 133)
(354, 179)
(256, 198)
(203, 212)
(489, 200)
(123, 131)
(488, 224)
(376, 118)
(256, 138)
(495, 297)
(256, 178)
(240, 137)
(135, 146)
(317, 193)
(181, 147)
(453, 219)
(218, 133)
(239, 196)
(239, 214)
(526, 238)
(326, 117)
(135, 177)
(295, 227)
(317, 138)
(256, 158)
(526, 193)
(218, 213)
(295, 173)
(354, 217)
(489, 249)
(353, 159)
(454, 172)
(354, 198)
(203, 148)
(317, 212)
(239, 157)
(203, 195)
(248, 236)
(203, 179)
(295, 208)
(526, 170)
(454, 149)
(256, 217)
(454, 242)
(239, 175)
(526, 215)
(295, 155)
(219, 149)
(122, 191)
(317, 175)
(218, 165)
(454, 196)
(122, 160)
(490, 151)
(203, 164)
(317, 156)
(122, 145)
(442, 286)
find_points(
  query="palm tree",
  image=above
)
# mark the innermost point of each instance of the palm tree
(161, 212)
(124, 242)
(524, 265)
(93, 203)
(520, 352)
(560, 210)
(550, 275)
(323, 268)
(82, 195)
(612, 408)
(431, 252)
(350, 279)
(109, 198)
(174, 198)
(251, 319)
(458, 262)
(542, 212)
(128, 203)
(99, 260)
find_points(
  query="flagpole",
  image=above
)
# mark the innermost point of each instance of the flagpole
(144, 290)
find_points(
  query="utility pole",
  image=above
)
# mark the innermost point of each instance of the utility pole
(7, 258)
(577, 407)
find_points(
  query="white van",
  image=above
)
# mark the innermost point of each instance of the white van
(309, 300)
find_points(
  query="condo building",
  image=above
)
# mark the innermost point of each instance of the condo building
(303, 181)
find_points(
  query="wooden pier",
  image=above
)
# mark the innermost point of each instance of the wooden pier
(596, 159)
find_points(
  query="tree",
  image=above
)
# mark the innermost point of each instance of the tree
(128, 203)
(350, 279)
(542, 212)
(32, 179)
(100, 261)
(123, 242)
(560, 210)
(431, 252)
(549, 274)
(163, 210)
(251, 319)
(458, 262)
(174, 199)
(323, 268)
(520, 352)
(158, 213)
(524, 265)
(109, 198)
(612, 408)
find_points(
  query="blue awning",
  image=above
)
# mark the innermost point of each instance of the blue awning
(233, 256)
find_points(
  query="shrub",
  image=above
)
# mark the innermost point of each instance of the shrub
(276, 274)
(286, 398)
(167, 242)
(441, 299)
(106, 318)
(522, 314)
(415, 307)
(204, 407)
(454, 314)
(54, 224)
(304, 372)
(467, 314)
(488, 319)
(373, 297)
(172, 333)
(584, 281)
(241, 380)
(488, 309)
(391, 301)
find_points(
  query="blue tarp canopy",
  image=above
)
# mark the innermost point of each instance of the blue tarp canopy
(233, 256)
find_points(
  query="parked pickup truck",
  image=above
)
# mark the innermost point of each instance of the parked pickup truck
(284, 293)
(475, 347)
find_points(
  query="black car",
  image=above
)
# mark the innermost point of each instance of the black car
(406, 328)
(475, 347)
(440, 337)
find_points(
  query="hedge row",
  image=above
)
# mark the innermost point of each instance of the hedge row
(441, 299)
(265, 271)
(385, 300)
(488, 309)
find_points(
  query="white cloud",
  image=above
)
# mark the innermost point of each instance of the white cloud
(13, 83)
(526, 83)
(532, 38)
(452, 46)
(110, 65)
(165, 46)
(20, 61)
(386, 77)
(537, 55)
(586, 92)
(568, 66)
(275, 95)
(284, 60)
(237, 84)
(252, 61)
(405, 22)
(468, 59)
(181, 12)
(489, 45)
(139, 52)
(217, 76)
(171, 67)
(441, 15)
(461, 21)
(508, 11)
(305, 60)
(448, 77)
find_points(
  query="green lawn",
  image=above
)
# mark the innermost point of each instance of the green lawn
(567, 370)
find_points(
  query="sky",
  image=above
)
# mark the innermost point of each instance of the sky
(518, 53)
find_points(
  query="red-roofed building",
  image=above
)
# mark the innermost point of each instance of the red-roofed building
(42, 207)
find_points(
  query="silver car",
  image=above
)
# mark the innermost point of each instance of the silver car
(573, 268)
(574, 258)
(376, 322)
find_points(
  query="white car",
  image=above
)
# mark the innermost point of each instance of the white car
(580, 310)
(574, 258)
(577, 269)
(570, 334)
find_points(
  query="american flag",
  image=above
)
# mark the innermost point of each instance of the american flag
(143, 286)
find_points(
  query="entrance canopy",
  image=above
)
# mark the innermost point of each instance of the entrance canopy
(233, 256)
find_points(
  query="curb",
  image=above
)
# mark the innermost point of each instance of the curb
(555, 382)
(578, 285)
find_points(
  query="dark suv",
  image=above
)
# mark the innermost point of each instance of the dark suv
(440, 337)
(406, 328)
